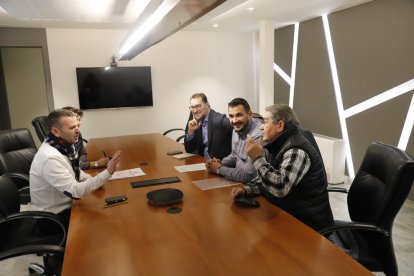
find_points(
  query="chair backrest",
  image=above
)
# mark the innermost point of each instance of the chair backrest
(181, 136)
(40, 126)
(17, 150)
(381, 185)
(9, 197)
(258, 116)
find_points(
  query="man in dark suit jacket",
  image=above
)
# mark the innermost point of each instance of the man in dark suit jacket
(208, 133)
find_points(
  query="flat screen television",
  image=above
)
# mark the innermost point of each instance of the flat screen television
(114, 87)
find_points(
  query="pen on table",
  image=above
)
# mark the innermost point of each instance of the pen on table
(104, 153)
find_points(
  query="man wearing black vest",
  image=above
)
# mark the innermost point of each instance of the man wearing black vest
(290, 170)
(208, 133)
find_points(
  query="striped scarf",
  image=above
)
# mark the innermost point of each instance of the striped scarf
(67, 150)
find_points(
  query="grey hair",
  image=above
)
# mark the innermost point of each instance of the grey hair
(283, 112)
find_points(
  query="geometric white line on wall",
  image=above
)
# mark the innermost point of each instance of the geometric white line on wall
(338, 95)
(282, 73)
(408, 127)
(294, 58)
(380, 98)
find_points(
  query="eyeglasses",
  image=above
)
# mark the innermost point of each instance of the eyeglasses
(198, 106)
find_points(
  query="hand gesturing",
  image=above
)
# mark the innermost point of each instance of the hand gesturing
(254, 149)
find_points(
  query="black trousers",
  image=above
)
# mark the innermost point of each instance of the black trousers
(65, 215)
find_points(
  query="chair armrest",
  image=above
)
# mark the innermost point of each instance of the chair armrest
(32, 249)
(180, 138)
(349, 225)
(173, 129)
(39, 215)
(24, 192)
(337, 190)
(36, 214)
(23, 176)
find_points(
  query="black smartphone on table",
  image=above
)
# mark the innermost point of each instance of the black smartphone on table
(115, 199)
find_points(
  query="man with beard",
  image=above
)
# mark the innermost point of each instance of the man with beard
(290, 171)
(238, 166)
(208, 133)
(84, 164)
(55, 176)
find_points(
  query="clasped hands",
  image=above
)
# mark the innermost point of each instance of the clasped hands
(213, 165)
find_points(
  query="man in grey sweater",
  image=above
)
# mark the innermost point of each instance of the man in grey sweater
(238, 166)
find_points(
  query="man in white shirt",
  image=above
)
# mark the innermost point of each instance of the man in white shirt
(55, 176)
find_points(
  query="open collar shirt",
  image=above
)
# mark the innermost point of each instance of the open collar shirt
(237, 166)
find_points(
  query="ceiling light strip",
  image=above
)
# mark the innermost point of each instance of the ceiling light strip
(380, 98)
(282, 73)
(338, 94)
(408, 127)
(3, 11)
(294, 59)
(148, 25)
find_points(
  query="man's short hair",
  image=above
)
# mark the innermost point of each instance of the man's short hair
(200, 95)
(53, 120)
(240, 101)
(74, 110)
(283, 112)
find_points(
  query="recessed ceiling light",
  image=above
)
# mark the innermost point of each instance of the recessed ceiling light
(250, 8)
(215, 25)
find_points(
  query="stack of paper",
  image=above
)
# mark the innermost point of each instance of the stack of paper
(183, 155)
(214, 183)
(190, 168)
(127, 173)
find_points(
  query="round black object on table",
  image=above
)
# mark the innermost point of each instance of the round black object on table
(167, 196)
(174, 210)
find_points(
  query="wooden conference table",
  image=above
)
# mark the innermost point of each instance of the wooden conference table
(211, 236)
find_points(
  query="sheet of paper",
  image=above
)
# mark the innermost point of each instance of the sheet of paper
(191, 168)
(183, 155)
(127, 173)
(214, 183)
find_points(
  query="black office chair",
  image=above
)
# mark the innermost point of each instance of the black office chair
(176, 129)
(376, 195)
(17, 150)
(40, 126)
(29, 232)
(258, 116)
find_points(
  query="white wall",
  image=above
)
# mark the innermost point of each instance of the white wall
(218, 64)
